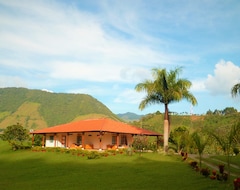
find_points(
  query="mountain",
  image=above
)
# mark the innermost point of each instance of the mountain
(129, 116)
(35, 109)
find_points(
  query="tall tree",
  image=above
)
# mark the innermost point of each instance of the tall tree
(235, 90)
(15, 135)
(165, 88)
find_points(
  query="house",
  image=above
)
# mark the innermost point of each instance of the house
(99, 134)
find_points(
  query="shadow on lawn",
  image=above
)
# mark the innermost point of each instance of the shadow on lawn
(37, 170)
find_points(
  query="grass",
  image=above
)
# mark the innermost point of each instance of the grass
(234, 159)
(51, 170)
(216, 160)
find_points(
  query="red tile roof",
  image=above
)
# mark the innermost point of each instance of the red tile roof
(104, 124)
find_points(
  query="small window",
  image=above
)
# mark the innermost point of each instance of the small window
(114, 140)
(79, 140)
(51, 138)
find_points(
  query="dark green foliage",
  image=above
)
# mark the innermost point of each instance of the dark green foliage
(37, 140)
(179, 137)
(236, 150)
(226, 111)
(93, 155)
(55, 108)
(226, 139)
(15, 135)
(140, 143)
(200, 141)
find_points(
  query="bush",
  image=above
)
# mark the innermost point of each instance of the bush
(205, 172)
(236, 150)
(193, 164)
(93, 155)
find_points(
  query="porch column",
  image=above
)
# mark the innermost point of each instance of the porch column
(117, 140)
(100, 144)
(132, 139)
(83, 135)
(67, 138)
(100, 140)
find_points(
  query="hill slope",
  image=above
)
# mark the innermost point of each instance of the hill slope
(36, 109)
(129, 116)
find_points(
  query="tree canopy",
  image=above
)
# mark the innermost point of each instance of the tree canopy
(15, 135)
(235, 90)
(165, 88)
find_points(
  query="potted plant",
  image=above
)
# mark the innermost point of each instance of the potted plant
(236, 183)
(221, 168)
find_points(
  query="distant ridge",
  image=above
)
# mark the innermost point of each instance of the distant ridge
(35, 109)
(129, 116)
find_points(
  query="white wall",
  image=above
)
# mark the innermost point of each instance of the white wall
(89, 138)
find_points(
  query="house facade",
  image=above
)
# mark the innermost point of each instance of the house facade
(98, 134)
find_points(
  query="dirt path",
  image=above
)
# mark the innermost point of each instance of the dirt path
(210, 165)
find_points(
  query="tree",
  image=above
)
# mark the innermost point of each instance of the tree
(179, 137)
(229, 110)
(235, 90)
(227, 140)
(165, 88)
(200, 142)
(15, 135)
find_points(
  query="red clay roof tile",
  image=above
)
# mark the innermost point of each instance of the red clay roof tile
(104, 124)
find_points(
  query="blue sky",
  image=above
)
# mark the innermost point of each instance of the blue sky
(104, 48)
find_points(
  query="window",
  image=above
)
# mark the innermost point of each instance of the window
(79, 140)
(114, 140)
(51, 138)
(123, 140)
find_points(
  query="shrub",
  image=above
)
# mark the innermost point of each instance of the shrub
(221, 168)
(193, 164)
(93, 155)
(205, 172)
(140, 142)
(236, 150)
(236, 183)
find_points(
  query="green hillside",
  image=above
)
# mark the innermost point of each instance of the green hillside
(36, 109)
(154, 121)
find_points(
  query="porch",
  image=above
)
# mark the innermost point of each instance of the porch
(87, 140)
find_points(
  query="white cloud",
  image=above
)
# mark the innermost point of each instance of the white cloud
(99, 72)
(226, 74)
(43, 36)
(46, 90)
(129, 96)
(198, 85)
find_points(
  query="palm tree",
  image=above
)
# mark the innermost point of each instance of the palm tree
(200, 142)
(165, 88)
(235, 90)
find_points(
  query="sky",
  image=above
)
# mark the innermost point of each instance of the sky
(104, 48)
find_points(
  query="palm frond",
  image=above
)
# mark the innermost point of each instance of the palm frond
(235, 90)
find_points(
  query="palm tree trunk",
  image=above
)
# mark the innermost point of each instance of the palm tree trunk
(166, 129)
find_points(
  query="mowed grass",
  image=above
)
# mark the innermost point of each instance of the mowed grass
(50, 170)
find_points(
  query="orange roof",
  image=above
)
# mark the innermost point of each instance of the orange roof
(104, 124)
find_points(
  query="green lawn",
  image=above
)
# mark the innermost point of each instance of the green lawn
(233, 159)
(49, 170)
